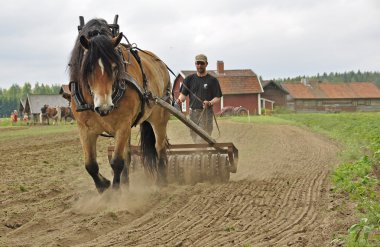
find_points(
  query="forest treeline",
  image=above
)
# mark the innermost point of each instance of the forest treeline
(10, 98)
(350, 76)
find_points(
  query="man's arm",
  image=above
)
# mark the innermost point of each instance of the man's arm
(181, 98)
(217, 92)
(183, 90)
(210, 103)
(215, 100)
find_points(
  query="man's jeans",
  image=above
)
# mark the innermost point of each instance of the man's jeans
(203, 118)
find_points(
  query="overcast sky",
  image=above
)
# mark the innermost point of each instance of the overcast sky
(275, 39)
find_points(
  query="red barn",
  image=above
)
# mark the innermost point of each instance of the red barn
(239, 88)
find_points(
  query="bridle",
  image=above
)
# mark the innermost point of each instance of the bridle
(126, 80)
(118, 88)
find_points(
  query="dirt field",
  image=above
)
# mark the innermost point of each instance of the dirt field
(280, 195)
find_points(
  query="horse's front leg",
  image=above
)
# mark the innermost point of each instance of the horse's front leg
(92, 167)
(128, 158)
(118, 158)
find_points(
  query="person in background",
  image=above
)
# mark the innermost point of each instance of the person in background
(204, 91)
(14, 118)
(26, 118)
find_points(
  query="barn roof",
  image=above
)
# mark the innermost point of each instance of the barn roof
(243, 81)
(326, 90)
(271, 82)
(21, 107)
(36, 101)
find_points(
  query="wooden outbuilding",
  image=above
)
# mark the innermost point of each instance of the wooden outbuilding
(314, 96)
(21, 107)
(273, 96)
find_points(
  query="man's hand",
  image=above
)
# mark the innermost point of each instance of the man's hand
(207, 104)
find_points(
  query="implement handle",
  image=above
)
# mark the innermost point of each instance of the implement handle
(186, 121)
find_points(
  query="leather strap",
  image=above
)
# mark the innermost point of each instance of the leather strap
(80, 103)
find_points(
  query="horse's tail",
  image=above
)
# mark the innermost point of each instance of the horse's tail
(148, 149)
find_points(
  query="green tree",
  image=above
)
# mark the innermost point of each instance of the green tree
(26, 89)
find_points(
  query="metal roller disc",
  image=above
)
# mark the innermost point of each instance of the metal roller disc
(224, 169)
(172, 168)
(205, 170)
(181, 169)
(196, 164)
(188, 169)
(214, 168)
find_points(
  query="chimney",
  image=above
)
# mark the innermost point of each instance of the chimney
(220, 67)
(304, 81)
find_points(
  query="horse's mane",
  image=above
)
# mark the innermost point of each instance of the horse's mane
(101, 47)
(100, 36)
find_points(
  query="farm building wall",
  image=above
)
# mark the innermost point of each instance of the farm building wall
(249, 101)
(334, 105)
(271, 92)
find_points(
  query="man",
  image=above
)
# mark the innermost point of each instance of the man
(204, 92)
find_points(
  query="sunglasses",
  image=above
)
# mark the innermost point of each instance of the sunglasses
(200, 63)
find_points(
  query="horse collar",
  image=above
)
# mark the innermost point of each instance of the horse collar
(80, 103)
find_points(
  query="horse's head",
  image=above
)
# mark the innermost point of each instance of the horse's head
(100, 69)
(44, 108)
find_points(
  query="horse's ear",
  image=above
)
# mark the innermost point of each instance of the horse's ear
(116, 40)
(84, 42)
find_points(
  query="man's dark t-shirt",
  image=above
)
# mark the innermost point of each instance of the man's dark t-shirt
(205, 88)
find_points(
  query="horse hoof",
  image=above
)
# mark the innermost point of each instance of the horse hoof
(162, 183)
(101, 189)
(106, 184)
(116, 186)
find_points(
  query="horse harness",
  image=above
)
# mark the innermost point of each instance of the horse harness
(120, 86)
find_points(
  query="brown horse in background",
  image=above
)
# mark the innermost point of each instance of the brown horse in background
(53, 113)
(99, 65)
(66, 113)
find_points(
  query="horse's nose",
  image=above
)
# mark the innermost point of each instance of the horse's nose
(104, 110)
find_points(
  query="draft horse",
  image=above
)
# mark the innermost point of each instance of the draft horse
(112, 87)
(66, 113)
(48, 113)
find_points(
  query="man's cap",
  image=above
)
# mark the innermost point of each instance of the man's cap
(201, 58)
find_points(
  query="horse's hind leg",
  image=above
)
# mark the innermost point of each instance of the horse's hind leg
(92, 167)
(161, 144)
(162, 168)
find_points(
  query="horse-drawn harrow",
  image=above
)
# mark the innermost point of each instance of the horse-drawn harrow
(193, 163)
(187, 163)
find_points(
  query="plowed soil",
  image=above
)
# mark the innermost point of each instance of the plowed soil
(280, 196)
